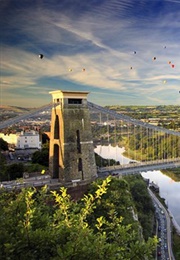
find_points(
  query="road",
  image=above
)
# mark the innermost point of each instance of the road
(164, 249)
(29, 182)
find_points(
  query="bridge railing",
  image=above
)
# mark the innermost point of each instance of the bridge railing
(173, 162)
(16, 119)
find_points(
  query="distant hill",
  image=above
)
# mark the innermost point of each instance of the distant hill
(14, 109)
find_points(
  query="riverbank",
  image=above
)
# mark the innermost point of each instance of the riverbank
(176, 244)
(174, 174)
(169, 189)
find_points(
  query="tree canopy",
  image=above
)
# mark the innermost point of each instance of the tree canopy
(41, 157)
(3, 145)
(42, 224)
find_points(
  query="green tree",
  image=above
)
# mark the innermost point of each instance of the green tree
(42, 225)
(117, 200)
(14, 171)
(41, 157)
(3, 145)
(45, 138)
(2, 167)
(101, 162)
(143, 203)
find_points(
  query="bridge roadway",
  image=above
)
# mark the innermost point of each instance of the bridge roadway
(102, 172)
(140, 167)
(24, 116)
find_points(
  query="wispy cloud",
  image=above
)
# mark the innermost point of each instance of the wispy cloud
(114, 41)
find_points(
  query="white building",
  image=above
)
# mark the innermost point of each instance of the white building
(23, 140)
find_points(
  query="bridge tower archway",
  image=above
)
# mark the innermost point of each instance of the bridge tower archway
(71, 155)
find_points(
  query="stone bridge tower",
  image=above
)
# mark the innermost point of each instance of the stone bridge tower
(71, 156)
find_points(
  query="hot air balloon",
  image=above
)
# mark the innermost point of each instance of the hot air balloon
(41, 56)
(154, 58)
(172, 65)
(83, 69)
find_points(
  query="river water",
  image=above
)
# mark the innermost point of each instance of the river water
(169, 189)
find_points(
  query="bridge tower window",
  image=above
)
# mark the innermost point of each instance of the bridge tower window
(78, 141)
(74, 101)
(56, 100)
(56, 128)
(80, 164)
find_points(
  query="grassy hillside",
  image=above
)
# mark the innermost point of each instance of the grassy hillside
(14, 109)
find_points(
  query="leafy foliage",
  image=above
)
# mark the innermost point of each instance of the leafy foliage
(2, 167)
(116, 201)
(49, 225)
(14, 171)
(143, 203)
(174, 173)
(101, 162)
(149, 145)
(176, 244)
(3, 145)
(41, 157)
(33, 167)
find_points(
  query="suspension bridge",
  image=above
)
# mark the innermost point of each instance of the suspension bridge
(152, 147)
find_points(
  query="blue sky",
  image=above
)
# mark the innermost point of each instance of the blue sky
(127, 48)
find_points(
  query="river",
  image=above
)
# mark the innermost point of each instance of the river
(169, 189)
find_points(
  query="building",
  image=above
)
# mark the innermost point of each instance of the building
(28, 139)
(23, 140)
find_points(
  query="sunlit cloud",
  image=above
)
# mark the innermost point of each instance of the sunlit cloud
(105, 47)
